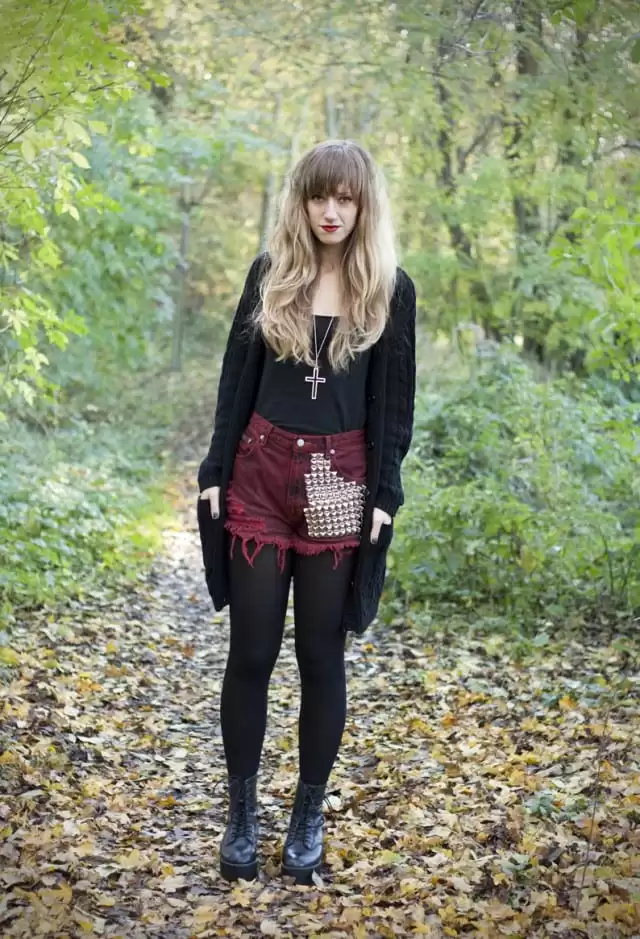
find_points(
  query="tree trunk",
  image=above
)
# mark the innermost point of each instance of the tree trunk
(179, 311)
(448, 182)
(570, 156)
(270, 190)
(330, 115)
(525, 210)
(294, 146)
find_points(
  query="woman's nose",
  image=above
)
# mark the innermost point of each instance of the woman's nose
(331, 206)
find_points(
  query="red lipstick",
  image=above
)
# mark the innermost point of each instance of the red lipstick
(329, 228)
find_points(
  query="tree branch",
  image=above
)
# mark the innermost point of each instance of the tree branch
(28, 67)
(481, 136)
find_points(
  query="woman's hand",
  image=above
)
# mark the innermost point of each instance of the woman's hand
(379, 519)
(213, 495)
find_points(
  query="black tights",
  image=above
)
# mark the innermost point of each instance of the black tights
(258, 603)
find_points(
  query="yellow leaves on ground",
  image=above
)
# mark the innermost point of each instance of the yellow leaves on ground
(9, 657)
(472, 797)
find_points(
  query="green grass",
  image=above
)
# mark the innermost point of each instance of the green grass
(81, 506)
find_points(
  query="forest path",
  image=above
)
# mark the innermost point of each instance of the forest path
(460, 800)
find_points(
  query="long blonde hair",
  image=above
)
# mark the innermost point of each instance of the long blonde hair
(368, 268)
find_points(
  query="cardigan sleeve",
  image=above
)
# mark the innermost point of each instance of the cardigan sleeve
(399, 401)
(238, 341)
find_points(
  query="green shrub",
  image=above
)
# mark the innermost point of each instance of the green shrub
(78, 509)
(522, 497)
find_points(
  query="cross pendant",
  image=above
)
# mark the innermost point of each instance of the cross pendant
(316, 380)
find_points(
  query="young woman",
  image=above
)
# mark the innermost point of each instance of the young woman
(302, 479)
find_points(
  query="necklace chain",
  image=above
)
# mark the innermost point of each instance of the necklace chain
(315, 380)
(315, 338)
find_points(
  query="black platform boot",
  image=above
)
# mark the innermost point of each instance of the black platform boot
(239, 849)
(302, 853)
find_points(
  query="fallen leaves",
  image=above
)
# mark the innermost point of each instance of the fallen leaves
(460, 804)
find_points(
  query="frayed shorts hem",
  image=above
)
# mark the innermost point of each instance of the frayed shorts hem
(284, 543)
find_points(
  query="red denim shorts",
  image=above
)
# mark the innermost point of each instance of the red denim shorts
(277, 475)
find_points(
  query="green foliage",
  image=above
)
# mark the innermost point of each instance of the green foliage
(523, 497)
(78, 510)
(55, 57)
(596, 308)
(54, 54)
(118, 258)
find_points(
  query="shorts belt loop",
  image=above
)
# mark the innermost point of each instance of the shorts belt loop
(263, 429)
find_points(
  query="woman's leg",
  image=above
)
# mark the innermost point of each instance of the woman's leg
(319, 594)
(257, 606)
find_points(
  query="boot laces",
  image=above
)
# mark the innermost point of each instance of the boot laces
(241, 818)
(307, 826)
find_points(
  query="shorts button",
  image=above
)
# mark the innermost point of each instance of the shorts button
(300, 442)
(261, 436)
(332, 450)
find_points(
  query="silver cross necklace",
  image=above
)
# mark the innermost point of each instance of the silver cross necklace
(315, 378)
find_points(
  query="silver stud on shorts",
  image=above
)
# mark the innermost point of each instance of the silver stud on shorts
(335, 506)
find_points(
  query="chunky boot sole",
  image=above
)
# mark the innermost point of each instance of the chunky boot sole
(302, 874)
(233, 871)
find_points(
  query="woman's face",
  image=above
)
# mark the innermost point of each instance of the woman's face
(332, 218)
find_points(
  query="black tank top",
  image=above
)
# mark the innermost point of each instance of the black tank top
(286, 389)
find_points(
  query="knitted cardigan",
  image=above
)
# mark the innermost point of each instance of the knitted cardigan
(388, 430)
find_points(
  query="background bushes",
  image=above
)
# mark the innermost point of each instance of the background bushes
(523, 496)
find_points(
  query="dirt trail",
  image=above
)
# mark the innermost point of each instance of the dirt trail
(113, 782)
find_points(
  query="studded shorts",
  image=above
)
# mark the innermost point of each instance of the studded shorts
(299, 491)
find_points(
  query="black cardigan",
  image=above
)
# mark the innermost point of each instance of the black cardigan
(389, 427)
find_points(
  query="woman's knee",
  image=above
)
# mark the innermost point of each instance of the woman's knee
(320, 664)
(252, 663)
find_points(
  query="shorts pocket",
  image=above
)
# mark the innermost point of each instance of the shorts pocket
(351, 463)
(249, 442)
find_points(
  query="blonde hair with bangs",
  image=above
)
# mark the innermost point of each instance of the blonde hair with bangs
(368, 268)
